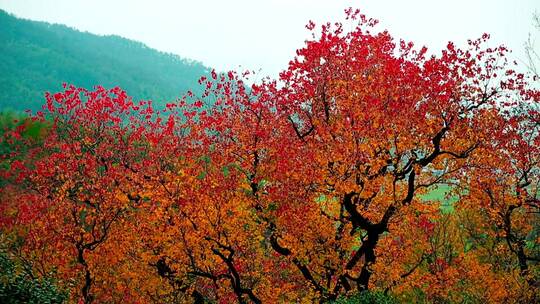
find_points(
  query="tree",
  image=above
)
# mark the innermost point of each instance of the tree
(307, 188)
(533, 57)
(73, 191)
(503, 187)
(360, 128)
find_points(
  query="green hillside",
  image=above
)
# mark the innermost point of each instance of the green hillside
(36, 57)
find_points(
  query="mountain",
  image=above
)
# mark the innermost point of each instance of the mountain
(36, 57)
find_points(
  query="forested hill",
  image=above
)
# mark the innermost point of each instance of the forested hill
(36, 57)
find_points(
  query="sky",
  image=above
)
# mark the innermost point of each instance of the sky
(264, 35)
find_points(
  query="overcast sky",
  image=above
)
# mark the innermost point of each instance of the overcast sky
(264, 35)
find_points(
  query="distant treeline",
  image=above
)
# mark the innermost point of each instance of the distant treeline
(36, 57)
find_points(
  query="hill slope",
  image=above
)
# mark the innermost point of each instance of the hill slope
(36, 57)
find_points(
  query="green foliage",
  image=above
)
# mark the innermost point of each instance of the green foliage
(32, 129)
(368, 297)
(36, 57)
(19, 286)
(417, 295)
(31, 134)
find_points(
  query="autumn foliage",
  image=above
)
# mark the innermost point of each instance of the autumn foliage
(308, 188)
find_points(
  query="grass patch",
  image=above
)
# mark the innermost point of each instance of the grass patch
(441, 193)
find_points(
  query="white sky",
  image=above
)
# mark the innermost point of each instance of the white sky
(265, 34)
